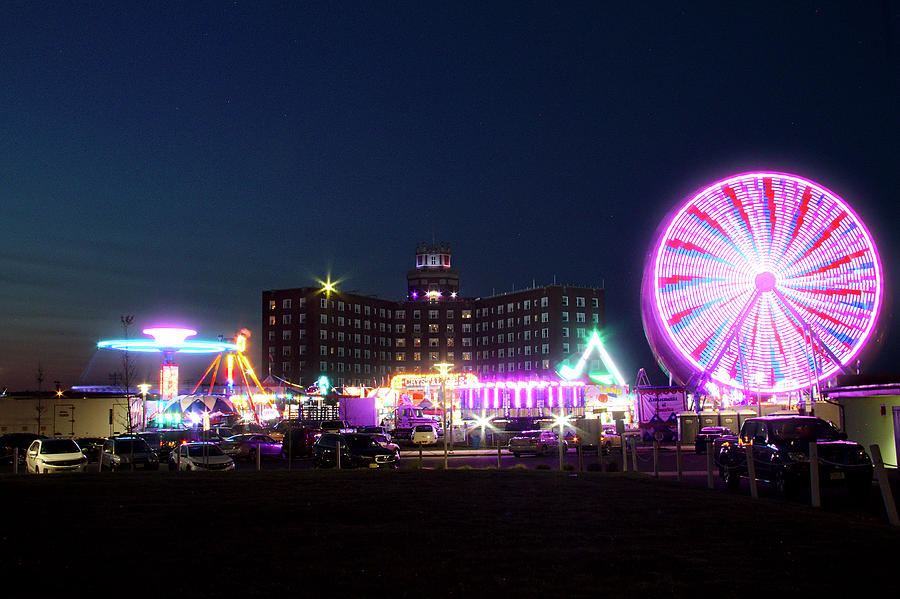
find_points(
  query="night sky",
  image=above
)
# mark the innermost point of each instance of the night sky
(174, 160)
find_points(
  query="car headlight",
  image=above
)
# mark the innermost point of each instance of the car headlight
(116, 459)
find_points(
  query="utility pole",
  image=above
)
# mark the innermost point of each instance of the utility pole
(126, 322)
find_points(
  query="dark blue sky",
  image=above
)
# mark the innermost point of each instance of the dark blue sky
(172, 161)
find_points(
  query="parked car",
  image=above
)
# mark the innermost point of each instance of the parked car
(424, 434)
(538, 442)
(200, 456)
(780, 450)
(375, 430)
(246, 447)
(357, 451)
(12, 441)
(299, 441)
(54, 455)
(385, 441)
(118, 453)
(336, 426)
(707, 435)
(91, 447)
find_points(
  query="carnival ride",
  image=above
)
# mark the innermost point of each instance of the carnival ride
(762, 282)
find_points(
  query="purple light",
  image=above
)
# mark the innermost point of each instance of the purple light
(746, 268)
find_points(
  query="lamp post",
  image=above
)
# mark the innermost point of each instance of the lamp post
(144, 387)
(443, 369)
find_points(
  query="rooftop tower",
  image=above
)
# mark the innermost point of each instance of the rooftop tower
(432, 279)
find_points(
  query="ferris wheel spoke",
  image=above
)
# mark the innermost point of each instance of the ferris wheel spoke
(736, 325)
(811, 329)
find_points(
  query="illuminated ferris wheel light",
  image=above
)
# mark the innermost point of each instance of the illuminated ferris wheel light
(764, 281)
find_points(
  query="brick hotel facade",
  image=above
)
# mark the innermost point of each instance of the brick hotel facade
(363, 340)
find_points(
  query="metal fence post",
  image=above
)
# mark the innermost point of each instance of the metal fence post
(886, 494)
(751, 471)
(580, 457)
(258, 458)
(15, 460)
(709, 466)
(634, 466)
(498, 452)
(337, 455)
(624, 453)
(656, 458)
(814, 474)
(678, 466)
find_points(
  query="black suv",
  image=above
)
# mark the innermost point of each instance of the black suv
(357, 451)
(780, 450)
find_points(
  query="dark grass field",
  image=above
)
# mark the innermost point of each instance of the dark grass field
(458, 533)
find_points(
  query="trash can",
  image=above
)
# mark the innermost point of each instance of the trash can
(743, 414)
(688, 426)
(729, 419)
(708, 419)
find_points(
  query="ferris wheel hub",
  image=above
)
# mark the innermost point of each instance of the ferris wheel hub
(765, 281)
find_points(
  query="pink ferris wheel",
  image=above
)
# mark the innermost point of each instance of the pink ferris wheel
(763, 281)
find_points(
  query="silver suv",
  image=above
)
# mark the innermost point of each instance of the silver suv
(128, 453)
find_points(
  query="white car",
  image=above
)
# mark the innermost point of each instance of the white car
(424, 434)
(201, 456)
(54, 455)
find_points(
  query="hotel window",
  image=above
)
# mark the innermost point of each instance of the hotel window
(323, 303)
(271, 335)
(417, 314)
(467, 327)
(400, 314)
(467, 314)
(579, 317)
(286, 335)
(434, 328)
(579, 302)
(527, 335)
(546, 364)
(565, 300)
(527, 350)
(544, 302)
(400, 328)
(401, 356)
(527, 364)
(500, 324)
(595, 302)
(433, 356)
(545, 317)
(565, 317)
(285, 319)
(595, 318)
(367, 354)
(367, 325)
(433, 314)
(510, 322)
(356, 308)
(527, 320)
(565, 331)
(340, 321)
(286, 304)
(323, 334)
(302, 349)
(467, 355)
(271, 304)
(449, 314)
(450, 356)
(450, 329)
(510, 337)
(450, 342)
(501, 353)
(302, 318)
(323, 350)
(271, 320)
(467, 342)
(417, 356)
(340, 352)
(579, 333)
(500, 309)
(302, 302)
(545, 348)
(381, 312)
(565, 347)
(417, 341)
(340, 335)
(509, 307)
(528, 304)
(545, 333)
(500, 338)
(286, 351)
(433, 342)
(285, 366)
(323, 318)
(400, 342)
(417, 328)
(367, 310)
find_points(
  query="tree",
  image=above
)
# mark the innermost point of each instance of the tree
(40, 407)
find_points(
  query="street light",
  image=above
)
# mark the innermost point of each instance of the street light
(443, 369)
(144, 387)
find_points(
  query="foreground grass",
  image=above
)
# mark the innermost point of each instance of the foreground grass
(426, 534)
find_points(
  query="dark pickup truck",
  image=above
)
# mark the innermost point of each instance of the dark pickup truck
(780, 449)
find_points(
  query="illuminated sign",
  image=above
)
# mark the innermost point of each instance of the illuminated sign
(406, 381)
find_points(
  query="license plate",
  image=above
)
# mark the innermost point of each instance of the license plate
(837, 476)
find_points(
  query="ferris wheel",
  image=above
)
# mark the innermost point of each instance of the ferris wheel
(763, 281)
